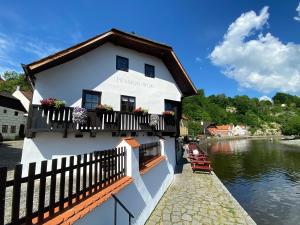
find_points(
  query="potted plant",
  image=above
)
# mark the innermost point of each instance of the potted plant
(47, 104)
(168, 113)
(140, 111)
(79, 115)
(59, 106)
(104, 108)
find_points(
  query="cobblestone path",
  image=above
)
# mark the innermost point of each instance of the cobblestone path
(197, 198)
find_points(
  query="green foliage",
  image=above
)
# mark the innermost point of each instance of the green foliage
(243, 110)
(292, 126)
(12, 80)
(283, 98)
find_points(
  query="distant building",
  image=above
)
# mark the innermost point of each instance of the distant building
(12, 118)
(239, 130)
(219, 130)
(24, 96)
(227, 130)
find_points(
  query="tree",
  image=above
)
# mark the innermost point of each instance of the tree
(13, 79)
(292, 126)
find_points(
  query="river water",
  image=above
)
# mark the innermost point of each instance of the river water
(263, 175)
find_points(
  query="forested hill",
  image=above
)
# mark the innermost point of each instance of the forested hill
(283, 114)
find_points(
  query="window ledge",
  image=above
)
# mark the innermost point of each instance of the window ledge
(83, 208)
(152, 164)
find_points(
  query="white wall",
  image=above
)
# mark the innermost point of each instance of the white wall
(25, 102)
(47, 145)
(96, 70)
(140, 197)
(10, 119)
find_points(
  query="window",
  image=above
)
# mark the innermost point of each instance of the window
(149, 70)
(122, 63)
(127, 103)
(171, 105)
(16, 113)
(4, 128)
(4, 111)
(13, 129)
(90, 99)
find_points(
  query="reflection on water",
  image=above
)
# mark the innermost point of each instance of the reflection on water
(263, 176)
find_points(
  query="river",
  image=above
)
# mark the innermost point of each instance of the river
(263, 175)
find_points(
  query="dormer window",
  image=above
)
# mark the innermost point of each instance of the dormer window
(122, 63)
(149, 70)
(90, 99)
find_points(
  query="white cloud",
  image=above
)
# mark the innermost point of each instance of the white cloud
(298, 11)
(13, 47)
(198, 59)
(265, 98)
(39, 48)
(258, 61)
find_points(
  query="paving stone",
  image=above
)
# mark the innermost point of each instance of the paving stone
(197, 198)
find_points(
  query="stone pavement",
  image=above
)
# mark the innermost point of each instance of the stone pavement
(197, 198)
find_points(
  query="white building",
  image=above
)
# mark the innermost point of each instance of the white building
(240, 130)
(24, 96)
(12, 118)
(126, 72)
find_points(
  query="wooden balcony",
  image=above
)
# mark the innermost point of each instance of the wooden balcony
(51, 120)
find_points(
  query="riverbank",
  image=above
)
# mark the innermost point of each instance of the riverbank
(198, 198)
(228, 138)
(291, 142)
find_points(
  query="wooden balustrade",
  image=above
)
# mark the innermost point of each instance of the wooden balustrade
(52, 120)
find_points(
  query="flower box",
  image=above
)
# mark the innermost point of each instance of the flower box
(52, 105)
(140, 111)
(100, 109)
(168, 113)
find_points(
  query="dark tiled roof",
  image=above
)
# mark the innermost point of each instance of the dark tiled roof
(27, 94)
(11, 102)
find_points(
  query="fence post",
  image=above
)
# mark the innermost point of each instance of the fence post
(132, 156)
(3, 175)
(162, 147)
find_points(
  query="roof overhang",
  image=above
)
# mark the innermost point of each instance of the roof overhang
(123, 39)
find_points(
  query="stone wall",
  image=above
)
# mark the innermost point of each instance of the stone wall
(8, 117)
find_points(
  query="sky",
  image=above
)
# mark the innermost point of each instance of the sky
(246, 47)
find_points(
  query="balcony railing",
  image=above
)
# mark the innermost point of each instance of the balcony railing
(51, 120)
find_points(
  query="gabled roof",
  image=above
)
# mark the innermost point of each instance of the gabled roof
(124, 39)
(27, 94)
(11, 102)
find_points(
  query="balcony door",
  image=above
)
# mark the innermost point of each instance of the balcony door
(173, 106)
(127, 103)
(176, 108)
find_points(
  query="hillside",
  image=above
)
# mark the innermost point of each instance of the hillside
(282, 115)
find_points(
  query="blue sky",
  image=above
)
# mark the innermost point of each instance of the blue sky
(248, 61)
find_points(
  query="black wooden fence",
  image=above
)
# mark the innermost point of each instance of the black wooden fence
(54, 188)
(148, 152)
